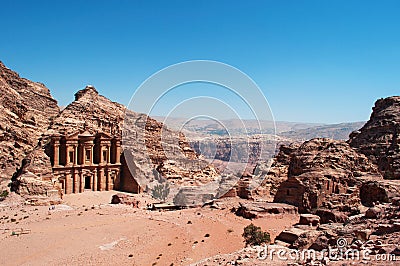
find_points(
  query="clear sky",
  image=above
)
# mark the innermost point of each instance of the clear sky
(316, 61)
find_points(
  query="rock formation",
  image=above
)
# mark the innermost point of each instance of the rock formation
(91, 112)
(26, 111)
(158, 154)
(379, 138)
(273, 176)
(152, 151)
(325, 173)
(258, 209)
(30, 117)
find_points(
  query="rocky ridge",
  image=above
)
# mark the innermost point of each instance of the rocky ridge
(26, 111)
(30, 116)
(379, 138)
(325, 173)
(148, 145)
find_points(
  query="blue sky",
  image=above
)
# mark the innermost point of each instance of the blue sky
(315, 61)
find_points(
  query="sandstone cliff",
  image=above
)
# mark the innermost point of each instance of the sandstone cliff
(273, 176)
(325, 173)
(151, 150)
(379, 138)
(89, 111)
(29, 116)
(26, 111)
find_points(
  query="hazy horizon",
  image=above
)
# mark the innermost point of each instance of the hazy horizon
(276, 121)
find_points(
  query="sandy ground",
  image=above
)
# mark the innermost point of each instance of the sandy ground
(87, 230)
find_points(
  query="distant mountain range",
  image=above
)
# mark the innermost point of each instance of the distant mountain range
(289, 130)
(333, 131)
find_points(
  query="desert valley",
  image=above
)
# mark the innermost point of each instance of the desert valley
(97, 184)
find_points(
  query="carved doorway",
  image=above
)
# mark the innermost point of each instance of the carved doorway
(87, 182)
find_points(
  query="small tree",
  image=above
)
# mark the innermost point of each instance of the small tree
(3, 195)
(160, 191)
(254, 236)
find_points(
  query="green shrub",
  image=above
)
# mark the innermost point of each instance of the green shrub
(160, 191)
(3, 195)
(254, 236)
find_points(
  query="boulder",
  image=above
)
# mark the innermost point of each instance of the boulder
(396, 201)
(363, 234)
(396, 251)
(290, 235)
(306, 239)
(309, 219)
(260, 209)
(121, 198)
(320, 243)
(372, 192)
(328, 216)
(373, 213)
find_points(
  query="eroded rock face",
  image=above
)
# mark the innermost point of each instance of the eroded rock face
(26, 111)
(30, 116)
(89, 111)
(258, 209)
(309, 219)
(151, 151)
(325, 173)
(35, 176)
(155, 147)
(278, 172)
(378, 191)
(379, 138)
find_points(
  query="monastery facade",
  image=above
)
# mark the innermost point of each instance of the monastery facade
(83, 161)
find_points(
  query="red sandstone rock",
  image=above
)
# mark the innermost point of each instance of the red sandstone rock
(373, 213)
(278, 172)
(26, 110)
(124, 199)
(379, 138)
(259, 209)
(325, 173)
(329, 216)
(309, 219)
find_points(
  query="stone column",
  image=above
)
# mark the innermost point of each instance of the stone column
(56, 155)
(84, 153)
(101, 179)
(94, 187)
(91, 155)
(117, 151)
(75, 182)
(100, 151)
(81, 182)
(68, 184)
(108, 154)
(68, 160)
(107, 174)
(76, 154)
